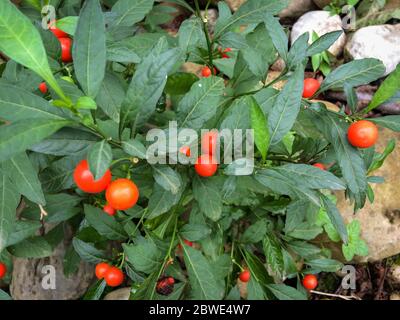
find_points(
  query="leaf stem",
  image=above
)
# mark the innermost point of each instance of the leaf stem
(205, 29)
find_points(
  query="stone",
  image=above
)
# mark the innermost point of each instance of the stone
(296, 8)
(321, 22)
(380, 221)
(27, 278)
(120, 294)
(380, 42)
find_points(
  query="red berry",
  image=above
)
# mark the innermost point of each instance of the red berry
(319, 166)
(310, 282)
(206, 166)
(57, 32)
(165, 286)
(101, 269)
(114, 277)
(245, 276)
(109, 210)
(43, 87)
(85, 181)
(363, 134)
(206, 72)
(209, 142)
(188, 243)
(185, 150)
(171, 281)
(311, 86)
(66, 46)
(3, 270)
(122, 194)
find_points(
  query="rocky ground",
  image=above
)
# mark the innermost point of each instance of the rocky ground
(378, 274)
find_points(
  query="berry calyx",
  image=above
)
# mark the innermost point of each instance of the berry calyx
(66, 46)
(185, 150)
(57, 32)
(43, 87)
(363, 134)
(311, 86)
(206, 166)
(109, 210)
(122, 194)
(85, 181)
(245, 276)
(114, 277)
(3, 270)
(101, 269)
(310, 282)
(319, 166)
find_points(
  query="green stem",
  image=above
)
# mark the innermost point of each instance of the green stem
(205, 29)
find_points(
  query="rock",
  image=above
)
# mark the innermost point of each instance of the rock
(27, 278)
(322, 3)
(321, 22)
(393, 275)
(296, 8)
(120, 294)
(380, 221)
(380, 42)
(235, 4)
(395, 296)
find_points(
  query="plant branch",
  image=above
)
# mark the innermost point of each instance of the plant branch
(205, 29)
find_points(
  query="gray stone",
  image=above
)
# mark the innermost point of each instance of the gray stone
(380, 42)
(120, 294)
(27, 278)
(380, 221)
(296, 8)
(321, 22)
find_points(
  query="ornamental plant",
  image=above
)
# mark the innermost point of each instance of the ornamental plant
(76, 155)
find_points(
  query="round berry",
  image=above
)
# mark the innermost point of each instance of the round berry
(319, 166)
(122, 194)
(245, 276)
(3, 270)
(363, 134)
(109, 210)
(206, 166)
(101, 269)
(43, 87)
(311, 86)
(310, 282)
(85, 181)
(114, 277)
(66, 46)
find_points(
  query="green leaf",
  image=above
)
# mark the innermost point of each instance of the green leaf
(191, 35)
(9, 200)
(161, 201)
(111, 95)
(19, 136)
(167, 178)
(89, 51)
(273, 252)
(336, 218)
(24, 177)
(68, 24)
(354, 73)
(4, 295)
(23, 229)
(180, 83)
(278, 36)
(255, 233)
(208, 196)
(325, 265)
(25, 47)
(298, 51)
(304, 249)
(17, 104)
(252, 12)
(95, 291)
(195, 232)
(131, 11)
(147, 85)
(143, 255)
(379, 159)
(104, 224)
(305, 231)
(88, 251)
(134, 148)
(387, 89)
(99, 158)
(286, 108)
(323, 43)
(204, 284)
(390, 122)
(260, 127)
(85, 102)
(284, 292)
(200, 104)
(35, 247)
